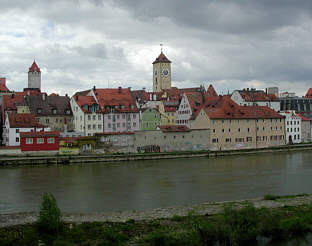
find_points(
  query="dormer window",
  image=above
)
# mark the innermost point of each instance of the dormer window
(67, 111)
(39, 111)
(122, 106)
(85, 106)
(131, 106)
(54, 111)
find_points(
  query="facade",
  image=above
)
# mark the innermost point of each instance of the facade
(253, 97)
(161, 73)
(17, 123)
(105, 110)
(53, 111)
(305, 129)
(293, 127)
(115, 142)
(150, 119)
(301, 105)
(40, 141)
(309, 94)
(172, 138)
(34, 77)
(237, 127)
(167, 110)
(3, 89)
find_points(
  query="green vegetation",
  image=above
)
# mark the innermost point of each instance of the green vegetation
(275, 197)
(238, 224)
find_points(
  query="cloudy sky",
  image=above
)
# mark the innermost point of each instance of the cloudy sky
(111, 43)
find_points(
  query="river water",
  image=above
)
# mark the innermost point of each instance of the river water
(104, 187)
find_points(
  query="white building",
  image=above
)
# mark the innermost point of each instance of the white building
(16, 123)
(253, 97)
(292, 126)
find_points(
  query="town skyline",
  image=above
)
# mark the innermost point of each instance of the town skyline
(112, 44)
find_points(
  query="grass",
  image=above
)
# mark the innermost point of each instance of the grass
(234, 226)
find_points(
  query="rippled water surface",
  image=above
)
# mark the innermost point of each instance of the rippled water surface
(147, 184)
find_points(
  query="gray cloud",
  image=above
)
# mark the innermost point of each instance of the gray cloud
(232, 44)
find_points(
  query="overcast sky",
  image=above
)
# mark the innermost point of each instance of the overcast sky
(111, 43)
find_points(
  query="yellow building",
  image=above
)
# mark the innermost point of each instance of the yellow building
(167, 112)
(237, 127)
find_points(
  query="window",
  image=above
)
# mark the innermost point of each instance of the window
(39, 110)
(214, 130)
(134, 116)
(80, 117)
(94, 126)
(239, 140)
(17, 139)
(99, 126)
(109, 125)
(109, 117)
(123, 124)
(228, 140)
(40, 140)
(214, 140)
(51, 141)
(118, 125)
(47, 120)
(89, 117)
(249, 139)
(134, 124)
(17, 130)
(99, 117)
(123, 116)
(54, 111)
(94, 117)
(89, 127)
(29, 141)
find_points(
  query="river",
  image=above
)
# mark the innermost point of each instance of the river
(136, 185)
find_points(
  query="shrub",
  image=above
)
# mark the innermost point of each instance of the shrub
(49, 220)
(271, 197)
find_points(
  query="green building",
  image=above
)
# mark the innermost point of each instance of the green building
(150, 119)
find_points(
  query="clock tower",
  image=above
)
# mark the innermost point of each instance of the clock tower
(161, 73)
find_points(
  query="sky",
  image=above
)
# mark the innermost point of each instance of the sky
(109, 43)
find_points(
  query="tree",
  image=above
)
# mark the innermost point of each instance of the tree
(50, 216)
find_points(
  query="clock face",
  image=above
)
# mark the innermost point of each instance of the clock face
(165, 72)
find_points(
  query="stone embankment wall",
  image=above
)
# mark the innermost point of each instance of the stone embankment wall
(43, 160)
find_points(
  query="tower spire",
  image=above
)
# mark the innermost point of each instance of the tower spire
(161, 48)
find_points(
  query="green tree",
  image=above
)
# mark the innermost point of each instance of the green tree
(50, 216)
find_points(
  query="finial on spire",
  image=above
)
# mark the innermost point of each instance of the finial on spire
(161, 48)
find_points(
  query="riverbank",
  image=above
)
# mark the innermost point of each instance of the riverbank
(58, 159)
(209, 208)
(248, 222)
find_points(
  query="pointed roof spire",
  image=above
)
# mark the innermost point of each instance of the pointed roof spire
(211, 92)
(161, 59)
(34, 68)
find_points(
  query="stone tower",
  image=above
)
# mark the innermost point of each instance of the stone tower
(161, 73)
(34, 77)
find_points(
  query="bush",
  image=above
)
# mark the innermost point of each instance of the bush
(271, 197)
(50, 215)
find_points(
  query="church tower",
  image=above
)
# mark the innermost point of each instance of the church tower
(161, 73)
(34, 77)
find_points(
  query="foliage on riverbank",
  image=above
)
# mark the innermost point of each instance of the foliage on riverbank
(235, 226)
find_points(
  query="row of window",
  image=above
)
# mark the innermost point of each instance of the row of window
(109, 125)
(184, 112)
(291, 129)
(248, 129)
(182, 121)
(40, 141)
(238, 121)
(291, 122)
(249, 139)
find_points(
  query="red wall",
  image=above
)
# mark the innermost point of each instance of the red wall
(40, 147)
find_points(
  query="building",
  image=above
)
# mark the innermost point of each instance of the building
(167, 110)
(253, 97)
(40, 141)
(17, 123)
(115, 142)
(309, 94)
(34, 77)
(3, 89)
(306, 131)
(293, 127)
(105, 110)
(161, 73)
(150, 119)
(301, 105)
(53, 111)
(237, 127)
(172, 138)
(190, 103)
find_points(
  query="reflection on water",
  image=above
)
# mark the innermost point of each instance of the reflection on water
(147, 184)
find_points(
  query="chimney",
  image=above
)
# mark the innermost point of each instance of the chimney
(119, 89)
(66, 95)
(2, 81)
(94, 88)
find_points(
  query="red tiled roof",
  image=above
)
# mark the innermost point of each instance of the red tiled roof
(256, 96)
(174, 128)
(195, 100)
(223, 107)
(309, 93)
(23, 121)
(113, 133)
(82, 93)
(303, 118)
(161, 59)
(34, 67)
(119, 98)
(211, 92)
(40, 134)
(85, 100)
